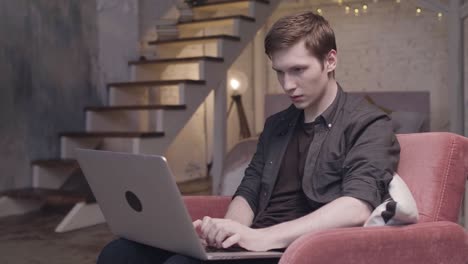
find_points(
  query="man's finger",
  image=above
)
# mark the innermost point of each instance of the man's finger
(211, 235)
(197, 223)
(205, 226)
(232, 240)
(220, 237)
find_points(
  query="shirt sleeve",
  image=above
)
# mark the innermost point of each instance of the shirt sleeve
(371, 160)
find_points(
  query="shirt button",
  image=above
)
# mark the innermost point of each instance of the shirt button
(264, 193)
(270, 162)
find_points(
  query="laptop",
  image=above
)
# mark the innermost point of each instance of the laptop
(140, 201)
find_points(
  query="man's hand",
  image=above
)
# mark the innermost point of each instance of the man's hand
(224, 233)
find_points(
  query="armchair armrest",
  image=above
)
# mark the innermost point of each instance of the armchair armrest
(213, 206)
(435, 242)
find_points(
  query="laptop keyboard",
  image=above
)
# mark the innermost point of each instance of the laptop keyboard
(229, 249)
(235, 249)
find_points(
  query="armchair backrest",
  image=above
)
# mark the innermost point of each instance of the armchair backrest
(434, 166)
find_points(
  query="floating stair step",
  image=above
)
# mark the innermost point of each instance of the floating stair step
(209, 21)
(139, 118)
(51, 163)
(194, 39)
(213, 9)
(49, 196)
(193, 46)
(176, 60)
(52, 173)
(196, 186)
(216, 4)
(110, 141)
(153, 83)
(193, 68)
(104, 134)
(134, 107)
(223, 25)
(151, 92)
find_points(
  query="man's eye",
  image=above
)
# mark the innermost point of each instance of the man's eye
(298, 70)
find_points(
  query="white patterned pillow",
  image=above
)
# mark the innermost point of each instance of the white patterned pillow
(400, 209)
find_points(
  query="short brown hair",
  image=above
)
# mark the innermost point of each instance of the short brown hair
(289, 30)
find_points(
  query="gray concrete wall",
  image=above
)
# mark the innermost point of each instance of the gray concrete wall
(47, 75)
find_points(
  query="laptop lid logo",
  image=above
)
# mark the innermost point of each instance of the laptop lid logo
(133, 201)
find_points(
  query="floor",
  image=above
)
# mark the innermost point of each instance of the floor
(31, 238)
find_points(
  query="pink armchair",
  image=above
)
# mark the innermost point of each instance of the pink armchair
(434, 166)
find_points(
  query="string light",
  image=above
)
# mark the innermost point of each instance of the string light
(356, 12)
(418, 11)
(364, 8)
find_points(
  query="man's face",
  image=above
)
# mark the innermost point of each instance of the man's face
(302, 76)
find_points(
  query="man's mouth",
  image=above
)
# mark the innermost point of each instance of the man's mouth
(296, 98)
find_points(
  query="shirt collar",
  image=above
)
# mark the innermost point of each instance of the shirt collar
(328, 115)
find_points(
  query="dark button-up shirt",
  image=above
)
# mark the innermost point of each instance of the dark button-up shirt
(354, 153)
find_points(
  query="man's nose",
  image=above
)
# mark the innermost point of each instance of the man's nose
(289, 83)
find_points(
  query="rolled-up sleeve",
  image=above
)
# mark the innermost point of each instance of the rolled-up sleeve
(371, 160)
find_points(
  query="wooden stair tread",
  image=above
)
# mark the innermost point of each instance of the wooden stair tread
(134, 107)
(50, 196)
(54, 162)
(221, 2)
(222, 36)
(154, 83)
(112, 134)
(196, 186)
(217, 19)
(176, 60)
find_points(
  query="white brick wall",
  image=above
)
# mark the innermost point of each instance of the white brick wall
(387, 49)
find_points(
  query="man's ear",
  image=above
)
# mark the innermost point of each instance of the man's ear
(330, 61)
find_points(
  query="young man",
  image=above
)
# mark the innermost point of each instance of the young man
(325, 162)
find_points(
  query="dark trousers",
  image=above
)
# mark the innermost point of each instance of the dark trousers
(122, 251)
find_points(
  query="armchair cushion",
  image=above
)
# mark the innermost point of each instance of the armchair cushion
(436, 242)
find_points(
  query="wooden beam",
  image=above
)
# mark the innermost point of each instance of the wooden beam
(219, 144)
(434, 5)
(81, 215)
(455, 68)
(260, 80)
(464, 11)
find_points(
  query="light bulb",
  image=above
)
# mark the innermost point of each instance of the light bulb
(319, 11)
(235, 84)
(356, 12)
(347, 8)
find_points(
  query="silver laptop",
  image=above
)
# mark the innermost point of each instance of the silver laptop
(140, 200)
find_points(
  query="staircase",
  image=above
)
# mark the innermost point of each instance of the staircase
(145, 114)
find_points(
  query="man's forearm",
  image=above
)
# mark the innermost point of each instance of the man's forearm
(240, 211)
(342, 212)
